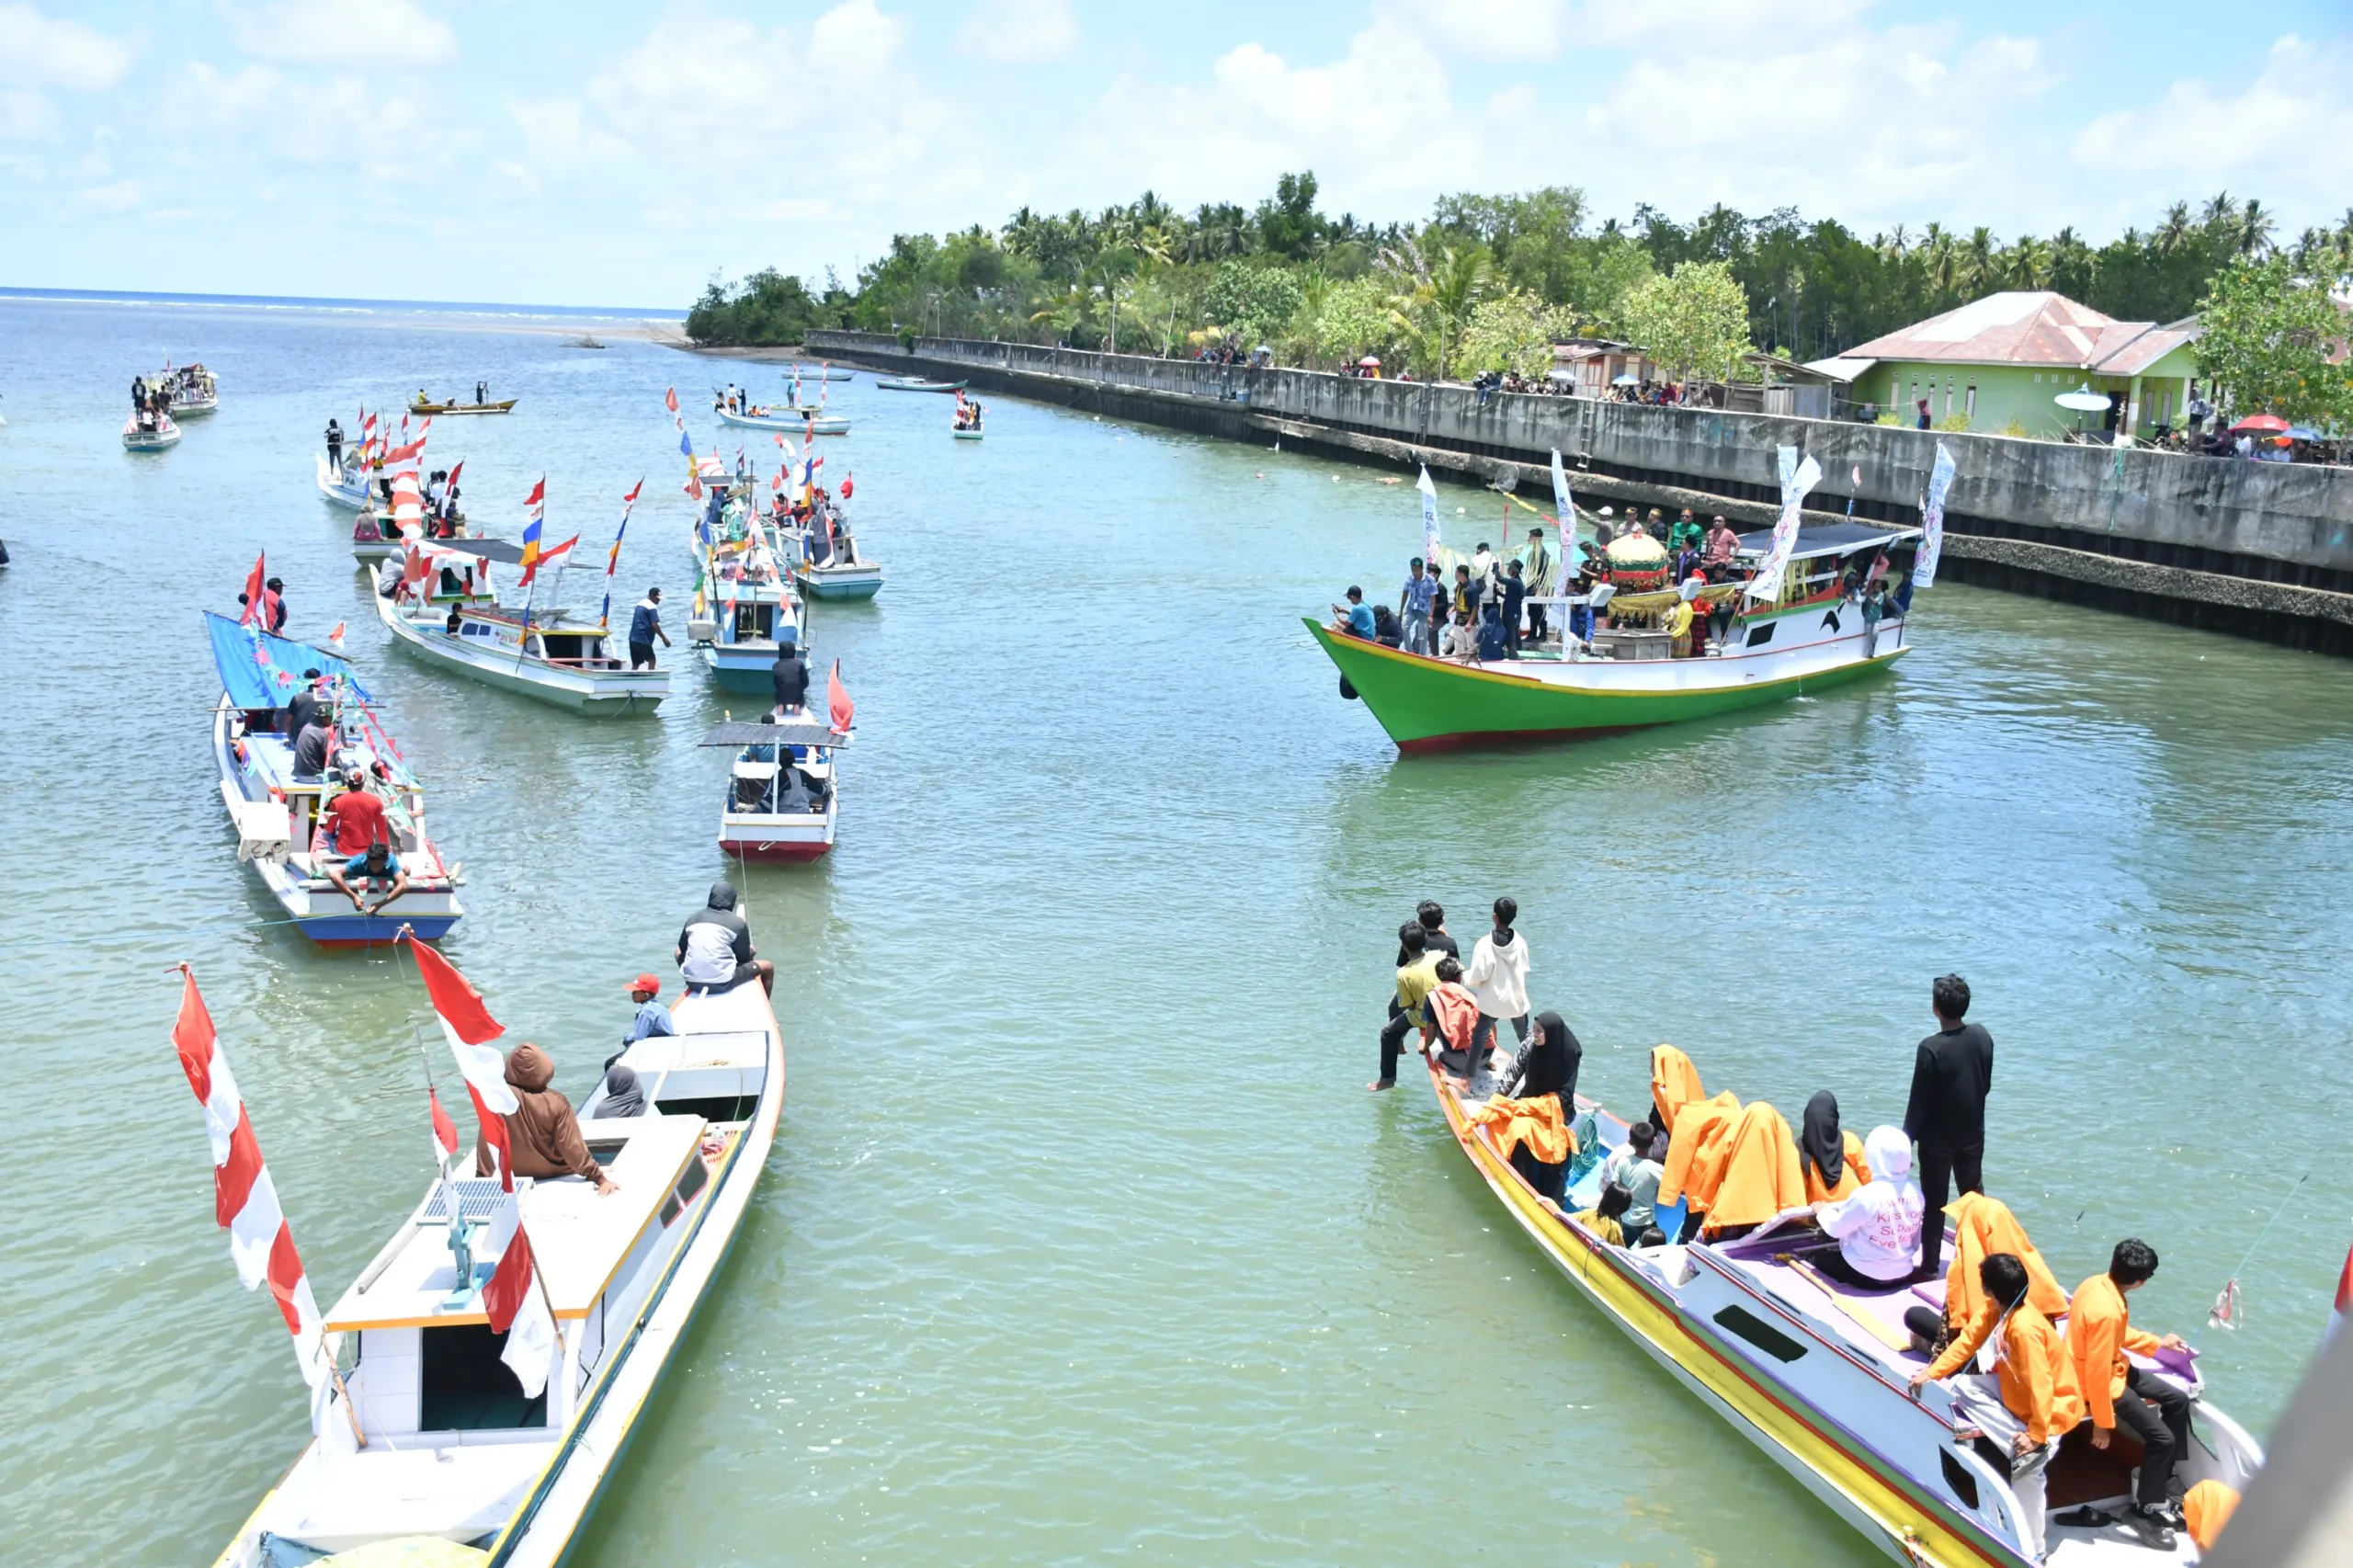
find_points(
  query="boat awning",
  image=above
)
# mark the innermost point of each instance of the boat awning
(792, 732)
(497, 549)
(261, 671)
(1829, 539)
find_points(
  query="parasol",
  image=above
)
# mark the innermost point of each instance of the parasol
(1371, 362)
(2083, 400)
(1627, 379)
(2259, 424)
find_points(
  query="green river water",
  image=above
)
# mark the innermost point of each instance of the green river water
(1081, 1242)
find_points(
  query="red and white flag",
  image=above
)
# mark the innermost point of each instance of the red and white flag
(334, 638)
(2344, 1307)
(628, 500)
(467, 1023)
(837, 703)
(255, 581)
(445, 1131)
(670, 400)
(535, 504)
(516, 1303)
(244, 1200)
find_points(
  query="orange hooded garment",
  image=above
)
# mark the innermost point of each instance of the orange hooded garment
(1986, 1226)
(1696, 1155)
(1855, 1173)
(1537, 1123)
(2206, 1508)
(1760, 1175)
(1454, 1012)
(2099, 1332)
(1674, 1082)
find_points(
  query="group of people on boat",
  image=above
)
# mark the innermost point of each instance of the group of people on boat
(1698, 1168)
(968, 412)
(151, 404)
(820, 524)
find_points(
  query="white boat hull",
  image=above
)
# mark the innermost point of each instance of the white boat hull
(606, 693)
(332, 485)
(821, 425)
(746, 835)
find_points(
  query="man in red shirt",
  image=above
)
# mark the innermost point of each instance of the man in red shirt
(355, 818)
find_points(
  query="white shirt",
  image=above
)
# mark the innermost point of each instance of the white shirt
(1878, 1228)
(1498, 976)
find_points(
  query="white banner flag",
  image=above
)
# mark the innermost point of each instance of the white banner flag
(1932, 520)
(1562, 508)
(1429, 519)
(1797, 478)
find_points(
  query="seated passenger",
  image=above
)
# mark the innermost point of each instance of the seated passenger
(1674, 1082)
(356, 817)
(1605, 1219)
(1832, 1160)
(377, 865)
(623, 1095)
(1878, 1223)
(1453, 1015)
(2118, 1394)
(653, 1018)
(1759, 1178)
(542, 1132)
(1547, 1069)
(1355, 615)
(1630, 1165)
(315, 748)
(2038, 1382)
(793, 795)
(2206, 1508)
(1982, 1226)
(715, 946)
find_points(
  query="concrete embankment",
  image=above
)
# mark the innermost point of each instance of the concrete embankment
(2257, 549)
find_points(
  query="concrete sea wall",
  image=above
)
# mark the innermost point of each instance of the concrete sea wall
(2257, 549)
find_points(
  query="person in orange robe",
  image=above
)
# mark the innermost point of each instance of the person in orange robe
(1984, 1226)
(2100, 1331)
(1674, 1082)
(1697, 1152)
(1760, 1175)
(2037, 1376)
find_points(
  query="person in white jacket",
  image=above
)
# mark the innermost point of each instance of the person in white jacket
(1497, 977)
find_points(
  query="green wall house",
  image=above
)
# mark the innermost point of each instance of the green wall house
(1995, 366)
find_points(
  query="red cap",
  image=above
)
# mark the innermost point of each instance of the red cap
(646, 983)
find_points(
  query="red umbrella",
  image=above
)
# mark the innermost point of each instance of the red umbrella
(2255, 424)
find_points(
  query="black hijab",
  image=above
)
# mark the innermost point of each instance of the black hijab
(1552, 1059)
(1819, 1144)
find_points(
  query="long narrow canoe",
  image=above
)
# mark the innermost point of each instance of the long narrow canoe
(504, 405)
(917, 384)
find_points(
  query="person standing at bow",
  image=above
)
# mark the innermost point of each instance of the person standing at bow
(1952, 1072)
(1540, 569)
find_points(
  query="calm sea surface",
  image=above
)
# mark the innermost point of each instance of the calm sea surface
(1082, 1241)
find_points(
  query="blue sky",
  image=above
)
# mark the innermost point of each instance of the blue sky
(583, 153)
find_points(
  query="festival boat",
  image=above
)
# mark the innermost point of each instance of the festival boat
(278, 817)
(761, 817)
(967, 433)
(825, 560)
(966, 424)
(345, 486)
(536, 652)
(150, 433)
(788, 418)
(426, 1447)
(1808, 637)
(194, 391)
(743, 605)
(917, 383)
(423, 405)
(1816, 1374)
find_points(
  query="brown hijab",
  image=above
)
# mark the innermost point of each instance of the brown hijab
(542, 1130)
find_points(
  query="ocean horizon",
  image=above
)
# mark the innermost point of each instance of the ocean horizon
(310, 303)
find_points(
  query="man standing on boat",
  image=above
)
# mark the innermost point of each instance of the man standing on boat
(1951, 1073)
(1414, 607)
(334, 447)
(644, 625)
(1537, 568)
(789, 676)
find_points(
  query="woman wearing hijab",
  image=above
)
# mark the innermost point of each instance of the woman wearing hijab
(1832, 1161)
(624, 1095)
(1877, 1228)
(1549, 1066)
(542, 1132)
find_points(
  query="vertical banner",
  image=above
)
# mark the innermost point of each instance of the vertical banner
(1932, 520)
(1562, 509)
(1429, 519)
(1797, 478)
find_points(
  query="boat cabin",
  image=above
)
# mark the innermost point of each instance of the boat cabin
(550, 637)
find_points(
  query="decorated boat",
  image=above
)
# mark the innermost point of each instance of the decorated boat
(744, 607)
(917, 383)
(492, 1363)
(783, 789)
(1816, 1373)
(347, 484)
(827, 563)
(789, 418)
(150, 433)
(966, 424)
(194, 391)
(421, 405)
(279, 817)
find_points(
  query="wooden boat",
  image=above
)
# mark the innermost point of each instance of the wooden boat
(160, 435)
(1810, 638)
(195, 392)
(786, 418)
(278, 816)
(539, 651)
(453, 1452)
(504, 405)
(744, 607)
(345, 486)
(801, 372)
(917, 383)
(588, 341)
(753, 822)
(825, 560)
(1805, 1369)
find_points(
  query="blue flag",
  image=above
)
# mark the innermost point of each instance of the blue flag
(685, 444)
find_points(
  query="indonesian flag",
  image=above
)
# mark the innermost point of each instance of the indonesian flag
(407, 452)
(367, 426)
(445, 1131)
(334, 638)
(838, 702)
(535, 504)
(254, 611)
(516, 1304)
(693, 485)
(467, 1023)
(244, 1200)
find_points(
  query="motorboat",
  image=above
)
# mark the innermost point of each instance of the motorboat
(917, 383)
(789, 419)
(744, 607)
(279, 817)
(195, 392)
(825, 560)
(801, 372)
(346, 484)
(783, 788)
(426, 405)
(426, 1447)
(150, 433)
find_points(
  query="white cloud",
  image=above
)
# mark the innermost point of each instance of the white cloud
(1020, 32)
(1486, 30)
(36, 52)
(854, 42)
(343, 32)
(2292, 126)
(117, 196)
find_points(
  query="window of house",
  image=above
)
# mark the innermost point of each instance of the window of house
(1971, 406)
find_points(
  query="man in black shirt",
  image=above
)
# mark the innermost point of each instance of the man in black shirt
(304, 705)
(1946, 1115)
(791, 679)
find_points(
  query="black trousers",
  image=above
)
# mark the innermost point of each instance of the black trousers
(640, 654)
(1538, 627)
(1393, 1044)
(1939, 1170)
(2158, 1414)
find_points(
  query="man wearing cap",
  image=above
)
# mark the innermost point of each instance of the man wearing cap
(1355, 613)
(653, 1018)
(355, 818)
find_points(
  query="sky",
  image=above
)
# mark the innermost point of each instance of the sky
(582, 153)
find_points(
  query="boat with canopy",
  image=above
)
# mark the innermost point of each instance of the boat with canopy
(783, 788)
(194, 391)
(441, 1438)
(1817, 1372)
(280, 816)
(827, 563)
(744, 606)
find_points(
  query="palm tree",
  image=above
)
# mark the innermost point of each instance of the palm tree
(1977, 268)
(1891, 246)
(1943, 262)
(2027, 263)
(2256, 228)
(2175, 229)
(2220, 208)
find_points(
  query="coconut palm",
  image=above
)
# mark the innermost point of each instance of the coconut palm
(2256, 228)
(2175, 230)
(2220, 210)
(2027, 265)
(1978, 271)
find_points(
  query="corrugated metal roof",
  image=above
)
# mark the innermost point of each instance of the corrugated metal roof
(2145, 350)
(2036, 327)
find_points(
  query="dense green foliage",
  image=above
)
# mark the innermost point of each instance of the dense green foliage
(2268, 334)
(1463, 289)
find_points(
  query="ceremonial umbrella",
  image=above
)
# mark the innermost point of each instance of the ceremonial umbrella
(2259, 424)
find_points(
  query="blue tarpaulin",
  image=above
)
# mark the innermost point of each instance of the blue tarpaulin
(261, 671)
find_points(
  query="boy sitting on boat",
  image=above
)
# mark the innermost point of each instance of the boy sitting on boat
(375, 864)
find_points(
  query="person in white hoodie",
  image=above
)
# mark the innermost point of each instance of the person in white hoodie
(1497, 977)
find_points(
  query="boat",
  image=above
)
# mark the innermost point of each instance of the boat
(536, 652)
(194, 391)
(917, 383)
(1817, 1375)
(450, 1458)
(586, 341)
(963, 434)
(743, 605)
(966, 424)
(787, 418)
(801, 372)
(278, 817)
(346, 485)
(1808, 638)
(420, 405)
(824, 556)
(751, 825)
(150, 433)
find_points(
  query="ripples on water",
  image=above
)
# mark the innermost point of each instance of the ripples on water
(1081, 1240)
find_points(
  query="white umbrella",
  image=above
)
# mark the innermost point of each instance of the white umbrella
(2083, 400)
(1627, 379)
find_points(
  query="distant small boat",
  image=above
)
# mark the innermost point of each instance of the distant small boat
(587, 342)
(823, 374)
(966, 434)
(420, 406)
(160, 437)
(917, 384)
(346, 487)
(787, 419)
(194, 391)
(761, 817)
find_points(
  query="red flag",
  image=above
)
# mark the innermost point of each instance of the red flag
(405, 452)
(462, 1012)
(336, 637)
(255, 580)
(511, 1285)
(694, 485)
(846, 481)
(451, 482)
(837, 701)
(628, 500)
(538, 493)
(445, 1131)
(670, 400)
